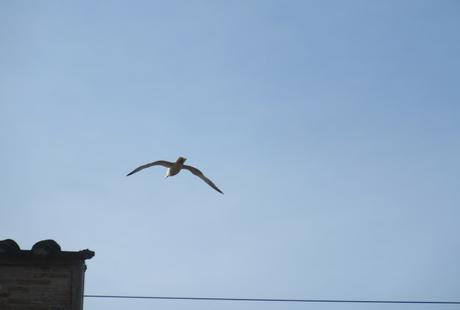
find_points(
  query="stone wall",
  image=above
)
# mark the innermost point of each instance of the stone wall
(35, 287)
(43, 278)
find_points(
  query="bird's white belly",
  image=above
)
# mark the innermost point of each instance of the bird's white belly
(174, 170)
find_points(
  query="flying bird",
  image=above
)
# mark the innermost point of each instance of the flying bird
(175, 168)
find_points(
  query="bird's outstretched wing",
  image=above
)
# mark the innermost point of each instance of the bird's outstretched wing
(163, 163)
(200, 174)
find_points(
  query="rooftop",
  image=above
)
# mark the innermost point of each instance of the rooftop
(45, 250)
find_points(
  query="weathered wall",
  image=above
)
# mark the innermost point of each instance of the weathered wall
(44, 278)
(35, 288)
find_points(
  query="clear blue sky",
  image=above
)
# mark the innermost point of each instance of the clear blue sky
(333, 127)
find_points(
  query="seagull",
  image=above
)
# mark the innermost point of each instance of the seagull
(175, 168)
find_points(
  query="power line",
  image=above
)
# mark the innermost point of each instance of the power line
(281, 300)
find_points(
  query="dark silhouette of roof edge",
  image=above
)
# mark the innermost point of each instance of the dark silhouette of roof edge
(42, 251)
(62, 255)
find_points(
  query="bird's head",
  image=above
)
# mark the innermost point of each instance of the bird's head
(181, 159)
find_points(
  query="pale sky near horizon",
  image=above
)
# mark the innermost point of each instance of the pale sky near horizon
(332, 127)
